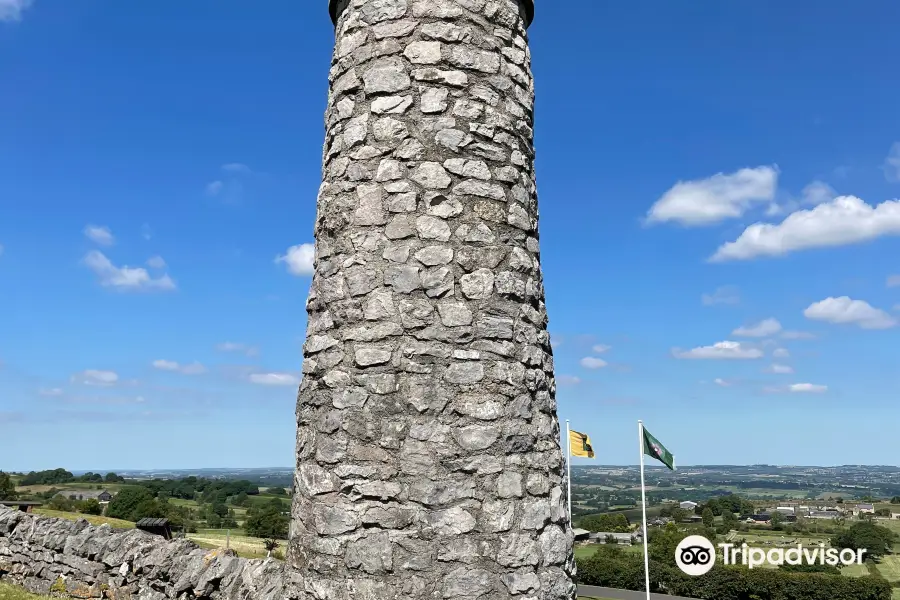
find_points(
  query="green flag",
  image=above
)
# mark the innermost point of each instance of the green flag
(653, 448)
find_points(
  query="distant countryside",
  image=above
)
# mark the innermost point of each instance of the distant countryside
(848, 507)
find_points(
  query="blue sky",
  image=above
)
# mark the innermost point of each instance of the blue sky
(718, 218)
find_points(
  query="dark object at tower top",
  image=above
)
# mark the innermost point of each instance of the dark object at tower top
(336, 7)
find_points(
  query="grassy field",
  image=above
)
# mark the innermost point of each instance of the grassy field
(12, 592)
(93, 520)
(854, 571)
(245, 546)
(589, 549)
(889, 567)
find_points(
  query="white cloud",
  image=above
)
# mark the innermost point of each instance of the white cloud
(156, 262)
(95, 377)
(842, 221)
(844, 310)
(299, 259)
(50, 392)
(194, 368)
(720, 351)
(816, 192)
(274, 379)
(722, 382)
(780, 369)
(97, 234)
(892, 163)
(764, 328)
(892, 280)
(214, 188)
(236, 168)
(567, 380)
(720, 197)
(11, 10)
(165, 365)
(237, 347)
(590, 362)
(556, 342)
(601, 348)
(727, 294)
(809, 388)
(126, 278)
(798, 335)
(781, 353)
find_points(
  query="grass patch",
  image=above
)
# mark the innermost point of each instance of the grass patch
(93, 520)
(854, 570)
(14, 592)
(245, 546)
(889, 567)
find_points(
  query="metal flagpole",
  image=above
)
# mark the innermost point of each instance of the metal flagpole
(644, 511)
(569, 466)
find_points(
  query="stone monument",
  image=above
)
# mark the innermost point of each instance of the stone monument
(428, 448)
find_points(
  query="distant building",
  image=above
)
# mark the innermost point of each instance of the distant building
(158, 527)
(621, 538)
(688, 505)
(581, 535)
(824, 514)
(895, 515)
(104, 497)
(864, 508)
(785, 510)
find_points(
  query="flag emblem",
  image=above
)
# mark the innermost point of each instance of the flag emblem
(580, 445)
(653, 448)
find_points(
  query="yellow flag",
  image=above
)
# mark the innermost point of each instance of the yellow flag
(580, 444)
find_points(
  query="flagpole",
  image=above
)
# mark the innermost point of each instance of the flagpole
(569, 466)
(644, 510)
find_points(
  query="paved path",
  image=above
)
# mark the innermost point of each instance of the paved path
(614, 594)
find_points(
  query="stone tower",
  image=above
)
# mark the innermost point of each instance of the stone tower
(428, 452)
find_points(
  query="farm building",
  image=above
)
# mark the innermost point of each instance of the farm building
(688, 505)
(158, 527)
(621, 538)
(581, 535)
(104, 497)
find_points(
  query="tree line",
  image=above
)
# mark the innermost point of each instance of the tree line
(60, 476)
(610, 566)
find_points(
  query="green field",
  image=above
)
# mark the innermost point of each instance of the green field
(247, 547)
(93, 520)
(588, 549)
(854, 571)
(889, 567)
(12, 592)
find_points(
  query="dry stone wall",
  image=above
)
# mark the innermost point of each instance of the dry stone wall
(77, 560)
(428, 455)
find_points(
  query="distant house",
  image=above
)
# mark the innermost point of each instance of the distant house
(785, 510)
(824, 514)
(104, 497)
(621, 538)
(759, 518)
(581, 535)
(864, 508)
(688, 505)
(895, 515)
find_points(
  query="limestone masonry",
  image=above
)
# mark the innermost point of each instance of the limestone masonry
(77, 560)
(428, 456)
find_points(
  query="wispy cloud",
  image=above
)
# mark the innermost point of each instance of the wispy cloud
(726, 295)
(844, 310)
(96, 377)
(592, 362)
(238, 347)
(567, 380)
(726, 350)
(193, 368)
(11, 10)
(50, 392)
(99, 235)
(601, 348)
(156, 262)
(214, 188)
(715, 199)
(274, 379)
(797, 388)
(299, 259)
(892, 163)
(125, 277)
(779, 369)
(844, 221)
(764, 328)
